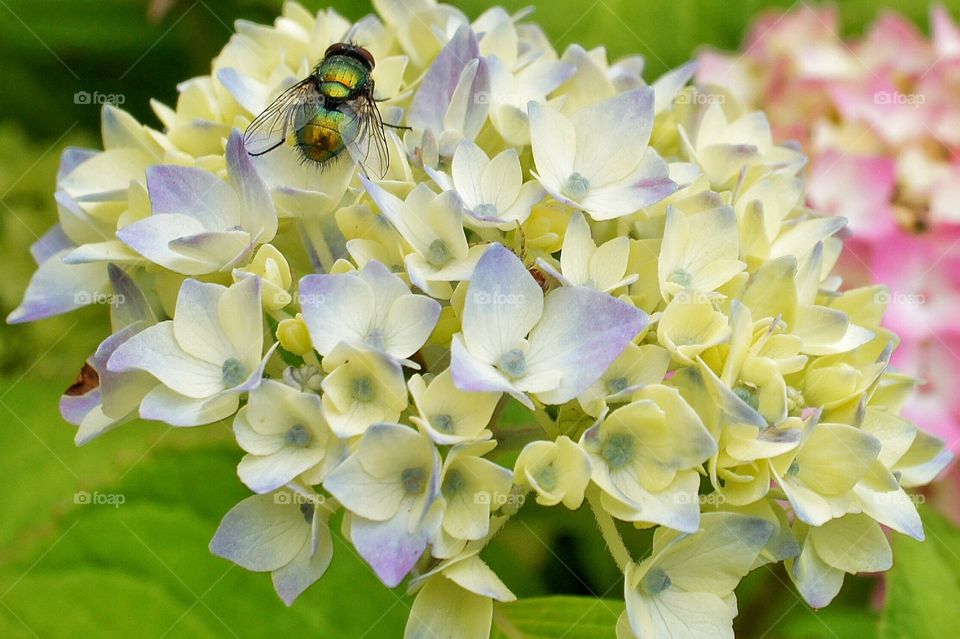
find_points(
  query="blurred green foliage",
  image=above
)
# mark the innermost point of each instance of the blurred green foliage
(143, 569)
(73, 565)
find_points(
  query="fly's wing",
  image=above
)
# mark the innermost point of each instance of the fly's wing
(363, 136)
(285, 116)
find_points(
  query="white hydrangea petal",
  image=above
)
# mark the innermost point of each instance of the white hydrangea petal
(501, 180)
(261, 533)
(298, 189)
(443, 609)
(816, 581)
(609, 264)
(666, 87)
(530, 193)
(257, 215)
(336, 308)
(475, 575)
(212, 251)
(151, 237)
(675, 507)
(307, 567)
(727, 542)
(265, 473)
(89, 417)
(647, 185)
(470, 411)
(554, 141)
(852, 543)
(436, 91)
(582, 332)
(166, 405)
(809, 507)
(193, 193)
(120, 393)
(250, 439)
(377, 498)
(411, 320)
(49, 244)
(196, 323)
(894, 509)
(466, 113)
(471, 374)
(682, 615)
(469, 162)
(240, 318)
(386, 288)
(397, 212)
(156, 351)
(442, 219)
(104, 175)
(57, 287)
(612, 136)
(391, 549)
(113, 251)
(248, 92)
(503, 303)
(578, 248)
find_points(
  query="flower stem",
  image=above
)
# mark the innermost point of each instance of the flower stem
(608, 528)
(546, 423)
(312, 359)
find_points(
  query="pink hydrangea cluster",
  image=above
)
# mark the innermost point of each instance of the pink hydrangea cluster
(879, 116)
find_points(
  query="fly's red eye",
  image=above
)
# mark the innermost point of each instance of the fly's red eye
(366, 56)
(337, 48)
(352, 50)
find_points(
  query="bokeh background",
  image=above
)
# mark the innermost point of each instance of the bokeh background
(132, 561)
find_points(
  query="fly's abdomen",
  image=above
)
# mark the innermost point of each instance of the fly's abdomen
(319, 139)
(341, 78)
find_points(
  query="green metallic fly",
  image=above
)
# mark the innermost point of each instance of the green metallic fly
(331, 111)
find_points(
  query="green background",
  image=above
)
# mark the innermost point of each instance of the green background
(142, 569)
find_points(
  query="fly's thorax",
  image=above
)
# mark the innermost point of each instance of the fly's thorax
(321, 139)
(342, 77)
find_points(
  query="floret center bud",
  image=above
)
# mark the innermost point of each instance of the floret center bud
(576, 186)
(513, 363)
(438, 254)
(298, 436)
(617, 451)
(362, 389)
(233, 372)
(413, 480)
(655, 581)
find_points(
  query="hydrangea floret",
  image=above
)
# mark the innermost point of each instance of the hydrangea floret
(879, 123)
(570, 286)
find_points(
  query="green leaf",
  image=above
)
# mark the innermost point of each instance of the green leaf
(552, 617)
(133, 560)
(834, 621)
(923, 587)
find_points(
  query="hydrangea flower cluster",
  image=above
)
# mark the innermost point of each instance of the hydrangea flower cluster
(628, 266)
(879, 118)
